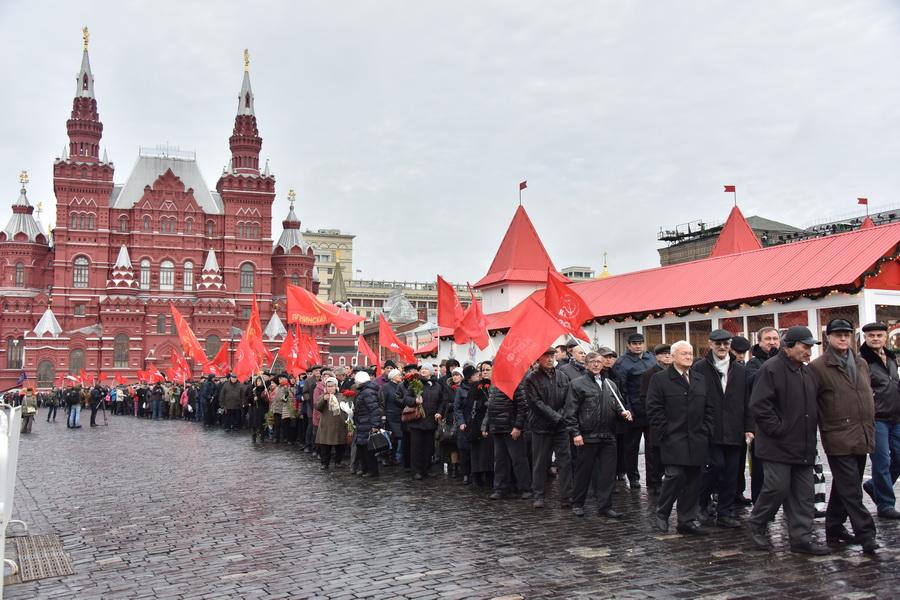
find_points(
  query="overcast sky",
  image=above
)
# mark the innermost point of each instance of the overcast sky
(410, 124)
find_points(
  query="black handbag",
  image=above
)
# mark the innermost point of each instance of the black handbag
(379, 441)
(446, 432)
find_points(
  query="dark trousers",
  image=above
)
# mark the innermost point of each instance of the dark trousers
(742, 473)
(94, 408)
(620, 454)
(406, 449)
(721, 475)
(51, 413)
(757, 473)
(279, 425)
(655, 472)
(297, 433)
(595, 461)
(465, 462)
(325, 453)
(542, 446)
(510, 459)
(846, 499)
(885, 463)
(680, 484)
(421, 449)
(369, 460)
(791, 486)
(632, 450)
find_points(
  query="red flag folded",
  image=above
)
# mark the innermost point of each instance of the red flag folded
(566, 305)
(254, 335)
(120, 380)
(189, 344)
(528, 337)
(367, 351)
(285, 351)
(388, 339)
(473, 325)
(180, 370)
(218, 366)
(862, 201)
(101, 377)
(246, 362)
(304, 308)
(300, 361)
(310, 348)
(730, 188)
(450, 311)
(523, 185)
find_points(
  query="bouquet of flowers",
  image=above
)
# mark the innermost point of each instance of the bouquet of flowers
(417, 412)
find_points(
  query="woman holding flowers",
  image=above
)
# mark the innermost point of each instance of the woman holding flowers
(423, 394)
(332, 433)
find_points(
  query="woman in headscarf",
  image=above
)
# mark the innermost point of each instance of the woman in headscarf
(29, 409)
(332, 433)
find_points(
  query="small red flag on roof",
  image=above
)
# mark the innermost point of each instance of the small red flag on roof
(862, 201)
(523, 185)
(730, 188)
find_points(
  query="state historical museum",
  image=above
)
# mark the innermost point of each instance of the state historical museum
(95, 294)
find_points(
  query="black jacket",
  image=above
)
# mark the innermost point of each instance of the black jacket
(391, 401)
(591, 410)
(683, 416)
(731, 408)
(885, 384)
(479, 395)
(783, 404)
(432, 402)
(758, 357)
(504, 414)
(545, 392)
(573, 370)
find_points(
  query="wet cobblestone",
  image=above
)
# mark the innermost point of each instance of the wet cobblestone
(170, 510)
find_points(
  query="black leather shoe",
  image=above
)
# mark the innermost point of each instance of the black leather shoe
(889, 513)
(758, 537)
(743, 501)
(661, 523)
(620, 477)
(578, 511)
(611, 514)
(870, 546)
(869, 488)
(839, 536)
(814, 548)
(727, 522)
(691, 528)
(634, 484)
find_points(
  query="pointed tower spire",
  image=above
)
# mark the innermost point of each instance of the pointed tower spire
(84, 127)
(736, 236)
(245, 142)
(105, 157)
(275, 328)
(211, 282)
(521, 257)
(122, 277)
(338, 291)
(290, 234)
(867, 223)
(22, 220)
(266, 170)
(47, 324)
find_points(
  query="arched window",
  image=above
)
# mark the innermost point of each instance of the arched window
(188, 276)
(332, 330)
(167, 275)
(145, 223)
(80, 273)
(160, 323)
(120, 351)
(189, 226)
(213, 345)
(240, 229)
(73, 220)
(342, 361)
(210, 228)
(20, 275)
(14, 351)
(46, 374)
(145, 274)
(247, 272)
(330, 361)
(87, 221)
(123, 224)
(84, 82)
(76, 361)
(295, 279)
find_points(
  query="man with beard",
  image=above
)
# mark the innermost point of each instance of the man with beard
(726, 383)
(628, 370)
(767, 346)
(663, 354)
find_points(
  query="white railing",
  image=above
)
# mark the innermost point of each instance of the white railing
(10, 428)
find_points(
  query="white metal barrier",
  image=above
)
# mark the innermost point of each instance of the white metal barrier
(10, 428)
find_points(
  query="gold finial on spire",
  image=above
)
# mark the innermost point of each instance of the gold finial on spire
(291, 196)
(246, 60)
(605, 272)
(85, 36)
(23, 178)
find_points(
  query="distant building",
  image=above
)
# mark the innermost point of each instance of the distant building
(578, 273)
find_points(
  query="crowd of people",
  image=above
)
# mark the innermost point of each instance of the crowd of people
(581, 418)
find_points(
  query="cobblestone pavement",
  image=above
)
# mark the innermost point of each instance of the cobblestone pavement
(170, 510)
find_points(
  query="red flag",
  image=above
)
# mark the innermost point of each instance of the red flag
(523, 185)
(155, 376)
(180, 370)
(285, 351)
(101, 377)
(367, 351)
(528, 337)
(84, 378)
(218, 366)
(450, 311)
(246, 362)
(309, 347)
(473, 325)
(120, 380)
(254, 335)
(862, 201)
(304, 308)
(388, 339)
(730, 188)
(566, 305)
(300, 361)
(189, 344)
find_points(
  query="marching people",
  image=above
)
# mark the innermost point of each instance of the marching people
(332, 433)
(726, 385)
(423, 400)
(767, 347)
(663, 355)
(885, 384)
(504, 421)
(628, 370)
(847, 423)
(783, 405)
(679, 407)
(590, 415)
(545, 393)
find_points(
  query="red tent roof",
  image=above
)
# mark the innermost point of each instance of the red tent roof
(807, 267)
(867, 223)
(521, 256)
(428, 348)
(736, 236)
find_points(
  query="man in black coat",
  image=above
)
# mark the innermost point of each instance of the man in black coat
(767, 346)
(726, 384)
(573, 367)
(628, 370)
(679, 407)
(591, 413)
(783, 404)
(505, 421)
(545, 392)
(663, 354)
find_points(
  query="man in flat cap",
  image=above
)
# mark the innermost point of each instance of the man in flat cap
(783, 404)
(726, 384)
(628, 371)
(739, 347)
(847, 423)
(885, 384)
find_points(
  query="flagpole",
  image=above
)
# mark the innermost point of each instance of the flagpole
(735, 195)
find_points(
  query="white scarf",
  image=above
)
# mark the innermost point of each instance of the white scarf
(333, 405)
(722, 368)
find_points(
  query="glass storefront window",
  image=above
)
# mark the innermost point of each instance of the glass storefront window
(699, 332)
(735, 325)
(757, 322)
(849, 313)
(675, 332)
(653, 336)
(890, 314)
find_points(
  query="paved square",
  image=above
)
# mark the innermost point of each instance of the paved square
(171, 510)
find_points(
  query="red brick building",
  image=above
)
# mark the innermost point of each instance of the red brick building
(96, 296)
